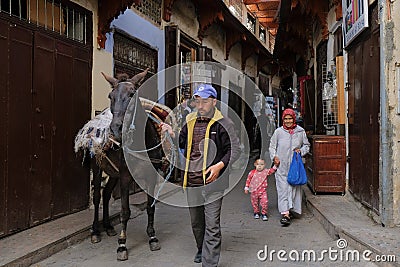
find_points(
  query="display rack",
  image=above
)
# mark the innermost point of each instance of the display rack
(329, 99)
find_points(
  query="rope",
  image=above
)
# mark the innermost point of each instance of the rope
(172, 160)
(130, 151)
(134, 152)
(132, 126)
(173, 154)
(172, 163)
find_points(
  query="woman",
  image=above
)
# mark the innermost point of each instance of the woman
(286, 139)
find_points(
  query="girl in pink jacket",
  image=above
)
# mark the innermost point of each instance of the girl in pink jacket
(257, 184)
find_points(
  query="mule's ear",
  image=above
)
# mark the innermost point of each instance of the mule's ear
(111, 80)
(138, 78)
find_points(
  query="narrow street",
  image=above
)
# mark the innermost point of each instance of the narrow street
(243, 238)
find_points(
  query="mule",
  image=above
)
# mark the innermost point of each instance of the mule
(142, 140)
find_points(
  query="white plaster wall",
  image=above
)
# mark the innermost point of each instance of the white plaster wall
(393, 84)
(102, 61)
(251, 66)
(235, 57)
(184, 15)
(216, 40)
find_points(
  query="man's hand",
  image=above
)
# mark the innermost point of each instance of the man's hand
(166, 127)
(214, 172)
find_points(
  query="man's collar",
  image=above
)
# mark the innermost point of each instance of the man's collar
(205, 119)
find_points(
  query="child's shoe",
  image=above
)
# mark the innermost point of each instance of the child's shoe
(264, 217)
(256, 216)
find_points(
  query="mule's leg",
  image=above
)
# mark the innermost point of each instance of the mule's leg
(125, 180)
(107, 191)
(153, 241)
(95, 235)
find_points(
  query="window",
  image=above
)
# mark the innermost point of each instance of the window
(251, 23)
(261, 34)
(51, 15)
(133, 55)
(187, 54)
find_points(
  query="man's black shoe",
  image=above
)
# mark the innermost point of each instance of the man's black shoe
(197, 258)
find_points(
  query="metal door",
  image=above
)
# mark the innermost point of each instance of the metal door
(363, 120)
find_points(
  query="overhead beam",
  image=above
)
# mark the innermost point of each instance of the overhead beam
(270, 13)
(252, 2)
(266, 20)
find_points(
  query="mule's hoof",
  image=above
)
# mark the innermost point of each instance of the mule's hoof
(122, 254)
(95, 238)
(111, 231)
(154, 244)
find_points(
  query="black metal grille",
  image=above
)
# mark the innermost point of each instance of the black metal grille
(130, 52)
(51, 15)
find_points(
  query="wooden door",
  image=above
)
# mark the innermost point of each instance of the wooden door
(16, 153)
(171, 59)
(364, 120)
(3, 122)
(45, 95)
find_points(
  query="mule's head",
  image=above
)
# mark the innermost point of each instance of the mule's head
(123, 89)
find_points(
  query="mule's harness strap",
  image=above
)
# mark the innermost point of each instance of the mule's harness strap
(111, 163)
(134, 152)
(132, 126)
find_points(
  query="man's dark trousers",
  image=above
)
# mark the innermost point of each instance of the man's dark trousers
(206, 225)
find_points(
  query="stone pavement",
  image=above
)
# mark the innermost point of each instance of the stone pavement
(339, 216)
(343, 217)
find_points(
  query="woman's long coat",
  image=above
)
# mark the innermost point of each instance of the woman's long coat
(282, 145)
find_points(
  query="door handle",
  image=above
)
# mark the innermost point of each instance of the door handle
(43, 136)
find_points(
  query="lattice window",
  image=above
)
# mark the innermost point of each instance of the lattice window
(51, 15)
(235, 6)
(133, 54)
(151, 9)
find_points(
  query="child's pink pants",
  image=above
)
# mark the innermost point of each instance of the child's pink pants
(259, 197)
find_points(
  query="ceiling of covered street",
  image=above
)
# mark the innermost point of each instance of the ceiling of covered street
(267, 12)
(289, 22)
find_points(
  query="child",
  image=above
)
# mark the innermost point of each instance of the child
(257, 184)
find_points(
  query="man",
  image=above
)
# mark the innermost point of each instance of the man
(211, 145)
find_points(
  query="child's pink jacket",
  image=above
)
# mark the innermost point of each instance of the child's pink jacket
(258, 180)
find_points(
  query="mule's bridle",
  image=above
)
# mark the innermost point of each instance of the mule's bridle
(136, 153)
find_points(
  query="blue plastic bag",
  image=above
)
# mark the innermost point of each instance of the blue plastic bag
(297, 174)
